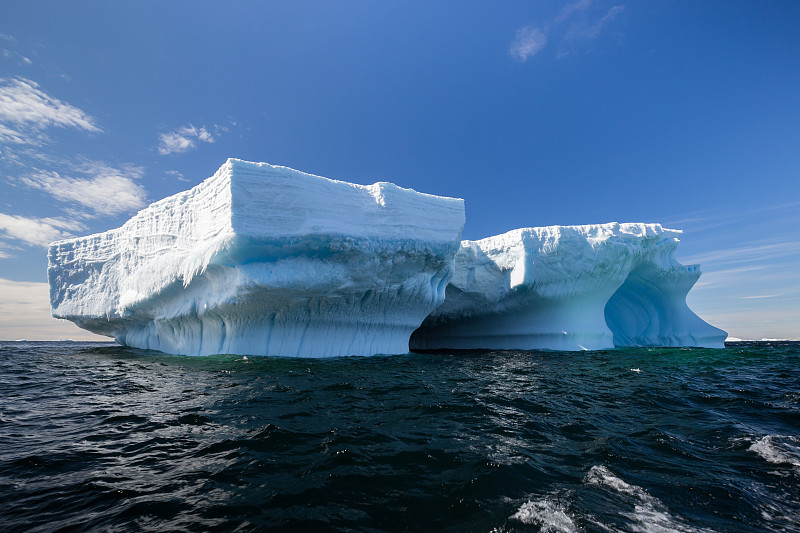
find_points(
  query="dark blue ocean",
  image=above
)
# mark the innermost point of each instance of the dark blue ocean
(97, 437)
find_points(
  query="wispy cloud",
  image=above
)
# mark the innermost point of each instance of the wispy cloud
(527, 43)
(572, 9)
(700, 221)
(10, 54)
(4, 250)
(36, 231)
(184, 139)
(177, 175)
(573, 29)
(83, 188)
(92, 189)
(26, 111)
(762, 253)
(728, 277)
(588, 30)
(99, 188)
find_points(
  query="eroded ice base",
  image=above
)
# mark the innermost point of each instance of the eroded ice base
(297, 307)
(569, 288)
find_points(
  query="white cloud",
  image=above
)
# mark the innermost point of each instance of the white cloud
(25, 314)
(571, 9)
(84, 188)
(3, 253)
(14, 136)
(26, 110)
(104, 190)
(591, 30)
(761, 253)
(527, 43)
(36, 231)
(577, 24)
(10, 54)
(702, 221)
(175, 174)
(174, 143)
(183, 139)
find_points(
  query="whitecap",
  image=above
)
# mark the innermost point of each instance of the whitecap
(649, 514)
(779, 450)
(547, 514)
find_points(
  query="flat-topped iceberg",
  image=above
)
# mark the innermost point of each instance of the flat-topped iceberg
(264, 260)
(569, 288)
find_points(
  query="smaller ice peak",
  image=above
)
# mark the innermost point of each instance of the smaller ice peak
(569, 288)
(542, 256)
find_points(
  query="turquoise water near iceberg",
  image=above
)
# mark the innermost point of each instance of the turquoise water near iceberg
(107, 438)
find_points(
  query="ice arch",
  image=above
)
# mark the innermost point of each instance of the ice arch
(650, 309)
(569, 288)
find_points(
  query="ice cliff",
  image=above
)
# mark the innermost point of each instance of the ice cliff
(569, 288)
(264, 260)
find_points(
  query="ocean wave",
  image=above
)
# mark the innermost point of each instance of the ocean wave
(109, 438)
(549, 515)
(649, 514)
(779, 450)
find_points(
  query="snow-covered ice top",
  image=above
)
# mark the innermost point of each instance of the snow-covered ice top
(177, 237)
(561, 260)
(255, 230)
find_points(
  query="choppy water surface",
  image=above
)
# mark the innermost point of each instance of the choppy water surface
(100, 437)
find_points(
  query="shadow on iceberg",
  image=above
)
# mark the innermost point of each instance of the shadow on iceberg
(650, 309)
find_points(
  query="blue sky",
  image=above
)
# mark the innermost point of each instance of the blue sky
(536, 113)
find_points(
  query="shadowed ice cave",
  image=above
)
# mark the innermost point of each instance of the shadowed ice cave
(650, 309)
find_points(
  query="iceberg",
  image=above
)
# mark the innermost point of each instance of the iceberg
(569, 288)
(264, 260)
